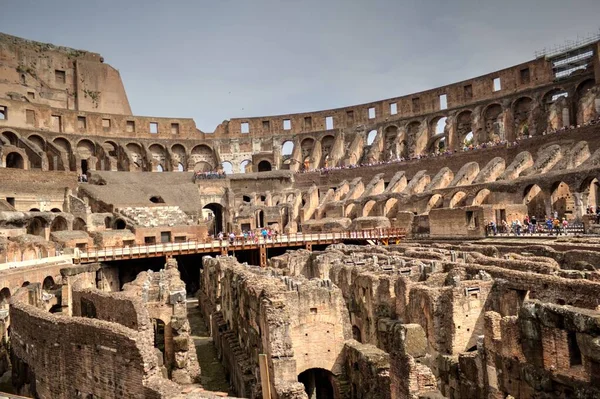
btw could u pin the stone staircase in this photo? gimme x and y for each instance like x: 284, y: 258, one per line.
x: 156, y: 216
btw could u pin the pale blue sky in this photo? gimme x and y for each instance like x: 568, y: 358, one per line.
x: 219, y: 59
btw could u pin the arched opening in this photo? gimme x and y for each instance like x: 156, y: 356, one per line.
x: 25, y: 284
x: 79, y: 224
x: 326, y: 148
x: 37, y: 226
x: 585, y: 105
x: 287, y: 148
x: 84, y: 166
x: 158, y: 154
x: 463, y: 126
x: 350, y: 211
x: 244, y: 166
x: 264, y: 166
x: 436, y: 201
x: 38, y: 141
x: 217, y: 225
x: 318, y: 383
x: 14, y: 160
x: 55, y: 210
x: 178, y: 152
x: 4, y: 298
x: 458, y: 200
x: 11, y: 137
x: 180, y: 167
x: 157, y: 199
x: 202, y: 167
x: 159, y: 338
x: 135, y: 152
x: 110, y: 148
x: 521, y: 112
x: 481, y: 197
x: 227, y: 168
x: 440, y: 125
x: 119, y: 224
x: 390, y: 208
x: 391, y: 150
x: 34, y: 210
x: 493, y: 125
x: 469, y: 140
x: 246, y: 199
x: 203, y: 153
x: 356, y: 334
x: 260, y: 219
x: 562, y: 200
x: 371, y: 137
x: 369, y: 208
x: 59, y: 224
x: 62, y: 144
x: 591, y: 187
x: 48, y: 283
x: 534, y: 198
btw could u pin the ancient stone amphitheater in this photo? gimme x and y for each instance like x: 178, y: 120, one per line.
x: 396, y: 260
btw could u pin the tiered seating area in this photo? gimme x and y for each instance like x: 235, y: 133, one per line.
x: 156, y: 216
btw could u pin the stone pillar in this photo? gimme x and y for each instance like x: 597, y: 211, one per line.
x: 580, y: 199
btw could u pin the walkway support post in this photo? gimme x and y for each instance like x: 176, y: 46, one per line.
x: 264, y: 376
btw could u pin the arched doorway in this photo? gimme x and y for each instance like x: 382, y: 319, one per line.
x: 534, y: 198
x: 14, y: 160
x: 4, y: 297
x: 264, y: 166
x: 260, y: 219
x: 458, y: 200
x: 36, y: 226
x: 562, y: 200
x: 79, y: 224
x: 318, y: 383
x: 217, y: 225
x: 59, y: 224
x: 48, y: 283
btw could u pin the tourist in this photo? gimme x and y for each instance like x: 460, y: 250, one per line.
x: 220, y: 237
x: 264, y: 234
x: 598, y: 215
x: 549, y: 225
x: 565, y: 224
x: 533, y: 224
x: 231, y: 238
x: 526, y: 224
x: 556, y: 225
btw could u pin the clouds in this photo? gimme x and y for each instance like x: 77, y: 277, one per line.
x: 213, y: 60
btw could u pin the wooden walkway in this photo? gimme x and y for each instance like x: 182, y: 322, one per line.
x: 383, y: 236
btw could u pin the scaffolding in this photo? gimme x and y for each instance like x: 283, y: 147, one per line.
x: 573, y: 56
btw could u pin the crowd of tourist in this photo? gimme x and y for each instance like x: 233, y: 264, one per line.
x: 551, y: 225
x: 249, y: 236
x: 469, y: 147
x: 208, y: 175
x: 82, y: 178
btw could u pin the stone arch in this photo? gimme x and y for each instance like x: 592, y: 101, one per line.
x: 227, y: 167
x: 136, y: 154
x: 390, y: 209
x: 391, y: 148
x: 351, y: 211
x: 59, y: 224
x: 11, y: 137
x: 86, y: 149
x: 264, y: 166
x: 585, y: 104
x: 4, y: 297
x: 369, y: 209
x: 55, y: 210
x: 203, y: 153
x: 218, y: 220
x: 535, y: 199
x: 562, y: 200
x: 110, y: 147
x: 245, y: 165
x: 493, y: 124
x: 287, y: 147
x: 202, y: 167
x: 14, y: 160
x: 63, y: 144
x: 37, y: 226
x: 464, y: 126
x: 521, y: 109
x: 179, y: 152
x: 435, y: 201
x: 79, y: 224
x: 119, y: 224
x: 318, y: 383
x: 326, y: 148
x: 48, y: 283
x: 371, y: 136
x: 458, y: 199
x: 159, y: 155
x: 590, y: 186
x: 482, y: 197
x: 38, y: 141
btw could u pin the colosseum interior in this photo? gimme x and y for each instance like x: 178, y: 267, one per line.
x: 376, y: 251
